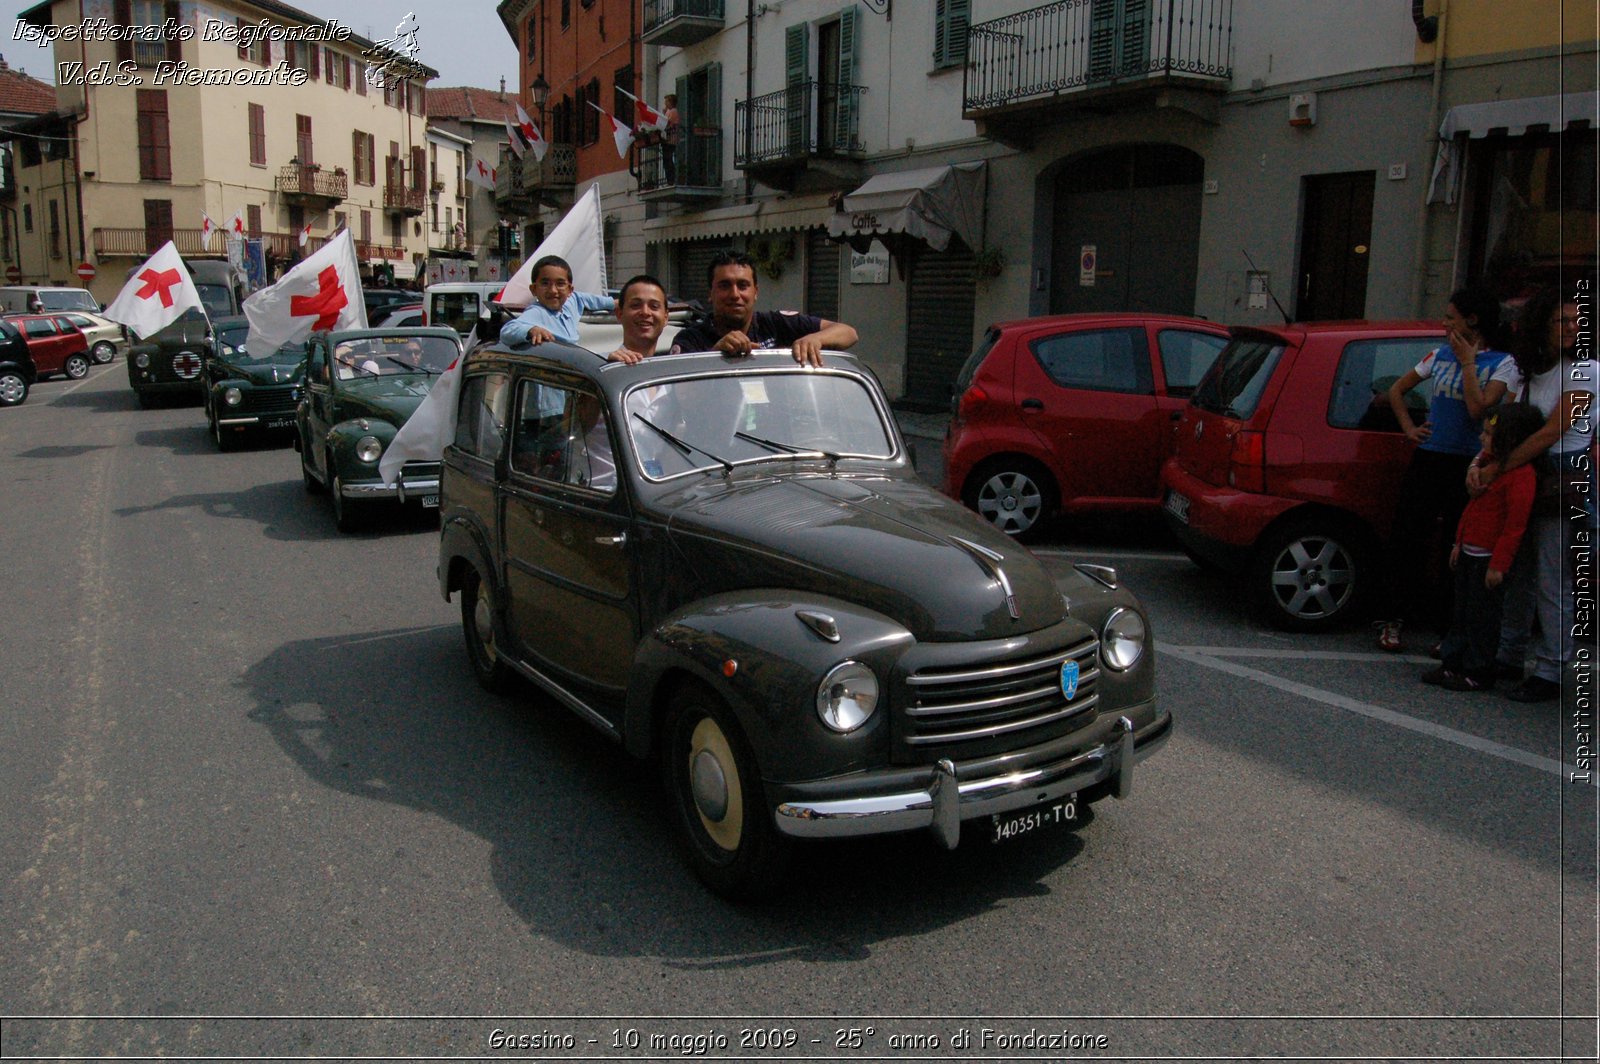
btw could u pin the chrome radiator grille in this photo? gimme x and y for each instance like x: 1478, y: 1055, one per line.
x: 963, y: 704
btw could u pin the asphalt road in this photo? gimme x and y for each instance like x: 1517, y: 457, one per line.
x: 255, y: 806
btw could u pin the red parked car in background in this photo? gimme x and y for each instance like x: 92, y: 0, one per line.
x: 57, y: 345
x: 1289, y: 462
x: 1071, y: 413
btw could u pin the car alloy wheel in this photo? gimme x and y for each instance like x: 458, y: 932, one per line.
x: 1307, y: 575
x: 717, y: 797
x: 13, y: 388
x: 477, y: 625
x: 76, y: 367
x: 103, y: 352
x: 1015, y: 496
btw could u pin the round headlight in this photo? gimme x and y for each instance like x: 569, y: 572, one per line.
x: 141, y: 360
x: 233, y: 397
x: 368, y: 448
x: 847, y: 696
x: 1122, y: 639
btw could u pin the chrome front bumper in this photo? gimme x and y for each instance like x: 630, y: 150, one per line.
x: 406, y: 487
x: 948, y: 800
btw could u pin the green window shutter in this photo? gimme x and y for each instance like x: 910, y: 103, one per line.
x: 1135, y: 43
x: 711, y: 106
x: 797, y: 98
x: 951, y: 21
x: 849, y: 118
x: 1102, y: 39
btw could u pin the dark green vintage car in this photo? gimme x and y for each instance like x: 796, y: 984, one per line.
x: 360, y: 387
x: 170, y: 364
x: 729, y: 566
x: 249, y: 391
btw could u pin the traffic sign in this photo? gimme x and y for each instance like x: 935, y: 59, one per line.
x: 13, y: 274
x: 86, y: 271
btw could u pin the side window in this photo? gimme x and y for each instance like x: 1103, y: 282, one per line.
x: 1367, y: 369
x: 561, y: 436
x: 1185, y: 357
x: 317, y: 361
x: 39, y: 327
x: 1104, y: 360
x: 481, y: 426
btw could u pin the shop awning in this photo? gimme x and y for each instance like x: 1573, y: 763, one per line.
x: 762, y: 216
x: 930, y: 205
x: 1510, y: 117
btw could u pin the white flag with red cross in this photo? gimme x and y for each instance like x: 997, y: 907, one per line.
x: 621, y: 134
x: 519, y: 147
x: 207, y: 227
x: 649, y: 117
x: 305, y: 234
x: 156, y: 293
x: 323, y: 291
x: 236, y: 227
x: 481, y: 173
x: 530, y: 133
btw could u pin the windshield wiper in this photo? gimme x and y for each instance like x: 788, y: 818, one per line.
x: 409, y: 368
x: 787, y: 448
x: 682, y: 447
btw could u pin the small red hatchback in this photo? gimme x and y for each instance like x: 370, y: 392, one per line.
x: 1071, y: 413
x: 1289, y: 462
x: 56, y: 344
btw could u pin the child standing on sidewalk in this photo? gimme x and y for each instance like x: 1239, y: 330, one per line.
x: 1486, y: 540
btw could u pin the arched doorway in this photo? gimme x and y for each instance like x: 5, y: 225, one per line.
x: 1126, y: 225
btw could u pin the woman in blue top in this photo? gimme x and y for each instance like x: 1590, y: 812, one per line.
x: 556, y: 308
x: 1468, y: 376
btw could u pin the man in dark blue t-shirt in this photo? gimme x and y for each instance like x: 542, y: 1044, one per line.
x: 738, y: 328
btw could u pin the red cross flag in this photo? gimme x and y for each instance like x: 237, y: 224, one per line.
x: 481, y: 173
x: 619, y: 132
x: 518, y: 145
x: 530, y: 133
x: 207, y: 227
x: 323, y: 291
x: 305, y: 234
x: 236, y: 227
x: 156, y: 293
x: 649, y: 117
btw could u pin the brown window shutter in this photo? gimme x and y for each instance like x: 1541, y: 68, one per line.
x: 244, y: 53
x: 315, y: 56
x: 123, y: 13
x: 174, y: 46
x: 266, y: 53
x: 344, y: 76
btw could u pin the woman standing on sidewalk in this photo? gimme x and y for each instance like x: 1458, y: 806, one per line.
x: 1468, y: 377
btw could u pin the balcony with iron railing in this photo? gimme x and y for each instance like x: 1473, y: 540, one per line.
x: 138, y: 243
x: 1095, y: 55
x: 402, y: 199
x: 680, y: 23
x: 688, y: 171
x: 522, y: 185
x: 312, y: 185
x: 807, y: 135
x: 368, y: 251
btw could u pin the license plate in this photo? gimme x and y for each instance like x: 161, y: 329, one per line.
x: 430, y: 502
x: 1178, y: 506
x: 279, y: 423
x: 1007, y: 826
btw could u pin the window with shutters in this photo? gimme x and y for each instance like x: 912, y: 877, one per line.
x: 302, y: 139
x: 55, y: 229
x: 364, y: 168
x: 418, y: 166
x: 566, y: 13
x: 150, y: 45
x: 621, y: 103
x: 951, y: 19
x: 258, y: 135
x: 157, y: 224
x: 27, y: 217
x: 366, y: 227
x: 252, y: 219
x: 1119, y: 38
x: 155, y: 139
x: 251, y: 48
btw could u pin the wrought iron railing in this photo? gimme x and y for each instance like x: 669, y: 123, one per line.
x: 402, y: 198
x: 141, y: 242
x: 657, y: 12
x: 366, y: 249
x: 804, y: 119
x: 299, y: 179
x: 1078, y: 44
x: 696, y: 162
x: 525, y: 177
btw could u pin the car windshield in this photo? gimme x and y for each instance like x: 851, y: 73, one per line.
x: 67, y: 299
x: 711, y: 422
x: 391, y: 356
x: 217, y: 299
x: 231, y: 341
x: 1240, y: 375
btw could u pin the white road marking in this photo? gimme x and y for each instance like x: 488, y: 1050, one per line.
x: 1198, y: 656
x: 91, y: 375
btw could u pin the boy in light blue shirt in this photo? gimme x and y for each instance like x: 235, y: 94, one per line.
x: 556, y: 308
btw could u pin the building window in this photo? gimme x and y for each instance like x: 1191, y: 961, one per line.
x: 55, y: 229
x: 340, y: 219
x: 365, y: 168
x: 418, y: 165
x: 149, y: 48
x: 27, y: 217
x: 258, y: 135
x: 157, y: 223
x: 621, y: 103
x: 302, y: 139
x: 366, y: 227
x: 566, y: 13
x: 155, y: 144
x: 433, y: 216
x: 258, y: 50
x: 529, y: 47
x: 950, y: 21
x: 252, y: 219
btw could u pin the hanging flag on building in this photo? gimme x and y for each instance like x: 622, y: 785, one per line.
x: 156, y: 293
x: 236, y: 227
x: 481, y: 173
x: 207, y: 227
x: 649, y: 117
x: 518, y: 145
x: 305, y: 234
x: 621, y: 134
x: 323, y: 291
x: 530, y: 133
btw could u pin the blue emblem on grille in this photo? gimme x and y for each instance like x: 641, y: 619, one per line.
x: 1069, y: 679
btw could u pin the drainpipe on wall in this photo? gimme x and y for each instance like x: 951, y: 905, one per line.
x: 1419, y: 264
x: 749, y: 87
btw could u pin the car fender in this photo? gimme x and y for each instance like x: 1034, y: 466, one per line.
x: 461, y: 539
x: 340, y: 441
x: 1092, y: 601
x: 751, y: 648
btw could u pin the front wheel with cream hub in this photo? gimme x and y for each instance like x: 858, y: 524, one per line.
x: 717, y: 797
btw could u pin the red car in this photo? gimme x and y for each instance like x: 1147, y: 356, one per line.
x: 1289, y: 462
x: 1071, y: 413
x: 57, y: 345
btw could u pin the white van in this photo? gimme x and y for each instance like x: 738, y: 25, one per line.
x: 32, y: 298
x: 457, y: 304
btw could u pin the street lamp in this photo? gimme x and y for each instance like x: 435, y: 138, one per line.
x: 541, y: 92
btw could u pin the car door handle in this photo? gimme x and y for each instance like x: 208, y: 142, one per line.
x: 612, y: 541
x: 1032, y: 404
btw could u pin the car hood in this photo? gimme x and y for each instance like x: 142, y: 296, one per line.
x: 266, y: 372
x: 891, y: 544
x: 391, y: 399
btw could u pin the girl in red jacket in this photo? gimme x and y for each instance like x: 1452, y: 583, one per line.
x: 1486, y: 540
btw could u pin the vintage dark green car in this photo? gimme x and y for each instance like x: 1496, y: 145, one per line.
x: 360, y: 387
x: 249, y: 391
x: 728, y: 565
x: 171, y: 363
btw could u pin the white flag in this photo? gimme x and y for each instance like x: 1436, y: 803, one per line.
x: 578, y: 239
x: 236, y: 227
x: 619, y: 132
x: 530, y: 133
x: 207, y: 227
x: 481, y: 173
x: 518, y: 146
x: 305, y: 234
x: 323, y: 291
x: 649, y: 117
x: 156, y: 293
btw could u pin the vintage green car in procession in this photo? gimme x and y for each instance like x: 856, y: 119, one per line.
x: 171, y: 363
x: 249, y: 391
x: 360, y: 387
x: 729, y: 566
